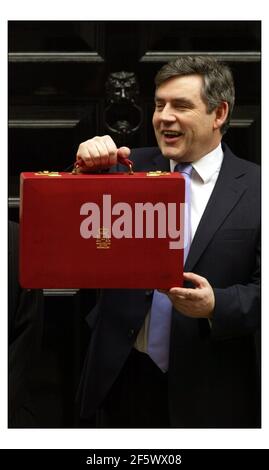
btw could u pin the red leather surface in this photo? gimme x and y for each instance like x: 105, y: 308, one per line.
x: 54, y: 254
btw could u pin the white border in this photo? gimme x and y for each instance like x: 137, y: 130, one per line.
x: 99, y: 439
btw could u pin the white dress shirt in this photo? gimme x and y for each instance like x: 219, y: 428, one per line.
x: 203, y: 179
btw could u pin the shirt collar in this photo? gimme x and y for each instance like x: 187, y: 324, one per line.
x: 207, y: 165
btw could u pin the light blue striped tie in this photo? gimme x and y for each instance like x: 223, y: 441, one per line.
x: 161, y: 308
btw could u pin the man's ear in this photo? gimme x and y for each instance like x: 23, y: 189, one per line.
x: 221, y: 113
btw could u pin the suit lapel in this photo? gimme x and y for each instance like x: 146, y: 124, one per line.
x: 227, y: 192
x: 161, y: 163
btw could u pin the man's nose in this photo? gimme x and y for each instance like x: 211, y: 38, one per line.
x: 167, y: 113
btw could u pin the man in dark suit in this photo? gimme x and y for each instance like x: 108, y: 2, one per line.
x: 212, y: 378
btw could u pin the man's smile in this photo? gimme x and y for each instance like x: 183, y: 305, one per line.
x: 171, y: 136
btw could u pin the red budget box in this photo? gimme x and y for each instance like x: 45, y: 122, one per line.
x: 101, y: 231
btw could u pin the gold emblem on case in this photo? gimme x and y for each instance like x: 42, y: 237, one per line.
x: 102, y: 241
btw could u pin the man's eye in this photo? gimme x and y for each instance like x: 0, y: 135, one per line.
x: 181, y: 106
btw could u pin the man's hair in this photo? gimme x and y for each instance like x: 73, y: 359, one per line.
x: 218, y: 84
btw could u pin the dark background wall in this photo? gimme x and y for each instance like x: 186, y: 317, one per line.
x: 57, y: 76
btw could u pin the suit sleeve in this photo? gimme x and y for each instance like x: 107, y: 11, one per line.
x: 237, y: 308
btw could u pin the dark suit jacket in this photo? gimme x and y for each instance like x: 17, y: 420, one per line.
x: 25, y: 328
x: 213, y: 375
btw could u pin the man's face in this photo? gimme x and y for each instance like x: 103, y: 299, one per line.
x: 183, y: 128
